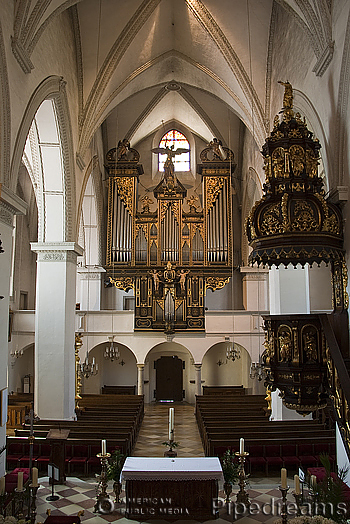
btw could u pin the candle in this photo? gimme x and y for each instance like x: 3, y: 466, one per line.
x: 171, y: 423
x: 2, y: 485
x: 20, y: 480
x: 313, y: 481
x: 241, y: 446
x: 104, y: 449
x: 297, y: 484
x: 34, y: 477
x: 283, y: 478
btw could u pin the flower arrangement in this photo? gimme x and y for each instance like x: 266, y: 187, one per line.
x: 229, y: 466
x: 115, y: 466
x: 317, y: 519
x: 12, y: 520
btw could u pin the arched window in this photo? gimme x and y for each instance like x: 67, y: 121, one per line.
x: 176, y: 139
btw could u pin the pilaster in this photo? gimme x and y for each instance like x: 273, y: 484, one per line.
x: 255, y: 288
x: 90, y: 287
x: 10, y: 205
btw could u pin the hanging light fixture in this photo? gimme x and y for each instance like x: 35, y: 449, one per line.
x: 111, y: 351
x: 16, y: 353
x: 257, y: 370
x: 233, y: 351
x: 89, y: 368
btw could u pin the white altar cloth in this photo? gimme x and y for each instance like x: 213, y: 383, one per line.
x: 150, y: 468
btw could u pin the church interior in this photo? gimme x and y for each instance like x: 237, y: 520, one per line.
x: 174, y: 233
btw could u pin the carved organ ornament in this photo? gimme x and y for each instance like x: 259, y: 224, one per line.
x: 170, y: 257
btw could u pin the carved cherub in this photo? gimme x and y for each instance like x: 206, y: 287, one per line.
x: 146, y: 201
x: 182, y: 280
x: 156, y: 279
x: 192, y: 202
x: 123, y: 148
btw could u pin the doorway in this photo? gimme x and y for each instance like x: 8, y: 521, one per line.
x: 169, y: 381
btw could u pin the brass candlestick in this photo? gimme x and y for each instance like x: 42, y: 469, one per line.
x: 284, y: 514
x: 298, y: 500
x: 19, y: 502
x: 242, y: 495
x: 32, y: 503
x: 103, y: 503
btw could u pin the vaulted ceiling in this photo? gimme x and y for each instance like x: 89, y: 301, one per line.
x: 141, y: 62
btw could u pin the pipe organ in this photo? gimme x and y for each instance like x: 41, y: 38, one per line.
x: 170, y: 254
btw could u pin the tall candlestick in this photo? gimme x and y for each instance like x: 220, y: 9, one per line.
x: 34, y: 477
x: 104, y: 448
x: 20, y: 480
x: 283, y: 478
x: 171, y: 423
x: 297, y: 484
x: 241, y: 446
x: 2, y: 485
x: 313, y: 482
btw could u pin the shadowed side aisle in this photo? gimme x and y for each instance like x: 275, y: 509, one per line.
x: 154, y: 431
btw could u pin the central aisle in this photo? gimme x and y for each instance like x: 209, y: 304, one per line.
x: 154, y: 431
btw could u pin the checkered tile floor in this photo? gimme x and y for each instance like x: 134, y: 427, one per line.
x: 80, y: 494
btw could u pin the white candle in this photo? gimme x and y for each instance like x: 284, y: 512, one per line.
x: 2, y: 485
x: 20, y: 480
x: 34, y: 477
x: 297, y: 484
x: 104, y: 449
x: 241, y: 446
x: 313, y: 481
x: 171, y: 423
x: 283, y: 478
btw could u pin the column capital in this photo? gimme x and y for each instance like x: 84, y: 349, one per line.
x: 10, y: 205
x: 198, y: 365
x: 254, y: 273
x: 91, y: 273
x: 57, y: 251
x: 140, y: 366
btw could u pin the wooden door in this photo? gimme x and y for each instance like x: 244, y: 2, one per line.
x: 169, y: 378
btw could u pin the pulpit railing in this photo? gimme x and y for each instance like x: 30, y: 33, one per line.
x: 338, y: 381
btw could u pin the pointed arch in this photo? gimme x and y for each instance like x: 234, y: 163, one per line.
x: 52, y: 88
x: 5, y: 117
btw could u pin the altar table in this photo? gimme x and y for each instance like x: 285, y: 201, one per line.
x: 171, y: 488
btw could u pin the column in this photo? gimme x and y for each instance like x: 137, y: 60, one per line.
x: 255, y: 288
x: 54, y: 391
x: 90, y: 288
x: 289, y: 290
x: 289, y: 294
x: 198, y: 368
x: 140, y: 370
x: 10, y: 204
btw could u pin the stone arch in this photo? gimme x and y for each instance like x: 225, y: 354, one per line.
x: 121, y: 372
x: 52, y: 88
x: 218, y: 371
x: 169, y: 349
x: 21, y: 367
x: 91, y: 195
